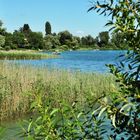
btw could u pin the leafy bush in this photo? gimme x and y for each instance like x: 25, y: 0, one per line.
x: 124, y: 108
x: 64, y: 122
x: 7, y: 48
x: 64, y: 47
x: 2, y: 40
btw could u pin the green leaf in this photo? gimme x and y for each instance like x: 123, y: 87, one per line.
x: 109, y: 23
x: 126, y: 107
x: 54, y: 111
x: 122, y: 64
x: 33, y: 105
x: 78, y: 116
x: 129, y: 66
x: 96, y: 111
x: 98, y: 10
x: 114, y: 120
x: 102, y: 12
x: 2, y: 131
x: 90, y: 9
x: 29, y: 126
x: 102, y: 111
x: 112, y: 28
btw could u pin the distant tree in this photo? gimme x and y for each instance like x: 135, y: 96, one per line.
x: 74, y: 44
x: 9, y: 40
x: 88, y: 40
x: 118, y: 40
x: 2, y: 30
x: 51, y: 42
x: 103, y: 38
x: 18, y: 39
x: 1, y: 23
x: 65, y: 37
x: 26, y: 28
x: 78, y: 39
x: 54, y: 34
x: 48, y: 28
x: 83, y: 41
x: 2, y: 37
x: 2, y: 40
x: 35, y: 40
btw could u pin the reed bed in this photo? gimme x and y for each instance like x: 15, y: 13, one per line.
x: 19, y: 83
x: 25, y: 55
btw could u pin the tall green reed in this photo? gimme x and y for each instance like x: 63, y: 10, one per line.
x: 17, y: 82
x: 24, y: 55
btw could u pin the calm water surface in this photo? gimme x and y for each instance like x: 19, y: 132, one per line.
x: 87, y: 61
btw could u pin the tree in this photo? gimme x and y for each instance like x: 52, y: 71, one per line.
x: 9, y: 41
x: 65, y: 37
x: 78, y: 39
x: 18, y: 39
x: 2, y: 30
x: 26, y: 28
x: 88, y: 40
x: 35, y: 40
x: 2, y: 41
x: 48, y: 28
x: 103, y: 38
x: 51, y: 42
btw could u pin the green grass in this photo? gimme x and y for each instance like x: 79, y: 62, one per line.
x: 2, y: 131
x: 24, y: 55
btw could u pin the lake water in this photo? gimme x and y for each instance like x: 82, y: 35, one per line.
x: 87, y: 61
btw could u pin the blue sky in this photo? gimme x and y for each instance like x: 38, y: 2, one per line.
x: 62, y: 14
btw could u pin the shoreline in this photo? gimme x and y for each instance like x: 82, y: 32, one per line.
x: 25, y: 54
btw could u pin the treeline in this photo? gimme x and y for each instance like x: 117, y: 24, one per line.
x: 25, y: 38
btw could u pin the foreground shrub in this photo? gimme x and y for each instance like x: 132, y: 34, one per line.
x: 124, y: 107
x: 64, y: 122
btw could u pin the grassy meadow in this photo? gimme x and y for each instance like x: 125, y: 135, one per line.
x: 19, y: 84
x: 24, y: 54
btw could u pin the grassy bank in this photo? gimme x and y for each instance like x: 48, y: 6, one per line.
x: 24, y: 55
x: 18, y: 84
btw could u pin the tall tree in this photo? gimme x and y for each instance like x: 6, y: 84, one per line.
x: 35, y: 40
x: 48, y: 28
x: 65, y: 36
x: 2, y: 35
x: 2, y: 41
x: 88, y: 40
x: 103, y: 38
x: 26, y: 28
x: 2, y: 30
x: 51, y: 42
x: 18, y: 39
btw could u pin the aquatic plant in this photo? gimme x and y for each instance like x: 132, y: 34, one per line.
x: 17, y: 82
x: 24, y: 55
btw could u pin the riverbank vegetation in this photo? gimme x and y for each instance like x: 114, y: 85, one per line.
x: 25, y: 38
x: 19, y: 84
x: 24, y: 54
